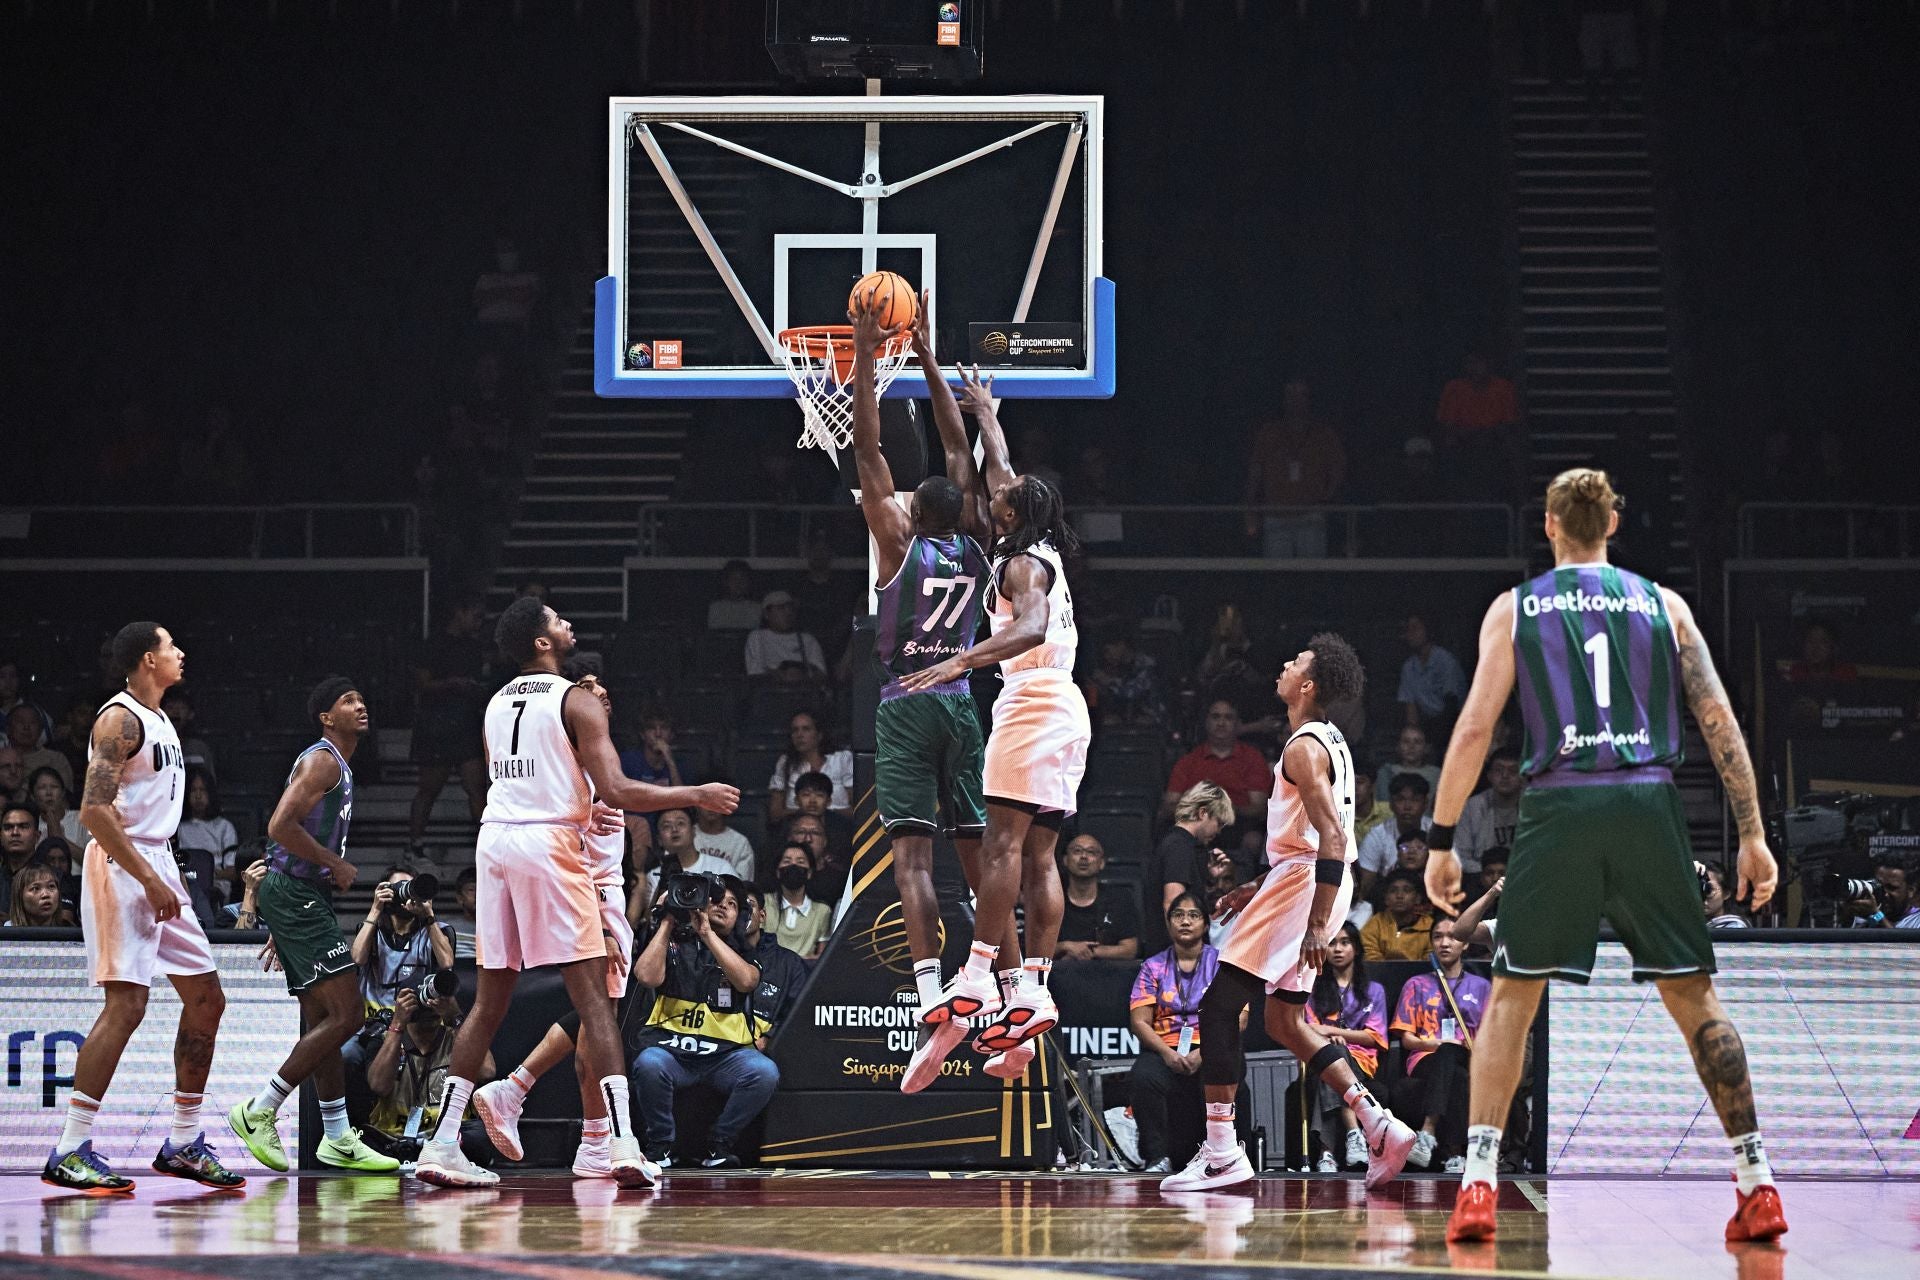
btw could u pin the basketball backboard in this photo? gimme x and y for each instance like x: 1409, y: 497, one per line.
x: 732, y: 218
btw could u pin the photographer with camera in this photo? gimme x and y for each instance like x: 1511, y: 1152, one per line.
x: 1887, y: 900
x: 398, y: 943
x: 703, y: 1025
x: 407, y: 1076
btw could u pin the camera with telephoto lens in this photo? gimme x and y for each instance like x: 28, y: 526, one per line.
x: 436, y: 984
x: 421, y: 888
x: 687, y: 892
x: 1851, y: 889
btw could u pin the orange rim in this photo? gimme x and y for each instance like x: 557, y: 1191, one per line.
x: 817, y: 341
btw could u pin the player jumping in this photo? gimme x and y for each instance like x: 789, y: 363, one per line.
x: 1285, y: 920
x: 1601, y: 657
x: 537, y: 901
x: 132, y: 912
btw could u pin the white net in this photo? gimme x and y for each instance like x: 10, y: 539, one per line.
x: 820, y: 362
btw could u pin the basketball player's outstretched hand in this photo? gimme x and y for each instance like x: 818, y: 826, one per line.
x: 1443, y: 881
x: 945, y: 673
x: 868, y: 333
x: 922, y: 327
x: 717, y: 797
x: 976, y: 393
x: 164, y: 901
x: 1759, y: 873
x: 1234, y: 901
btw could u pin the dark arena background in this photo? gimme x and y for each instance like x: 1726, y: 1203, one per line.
x: 335, y: 327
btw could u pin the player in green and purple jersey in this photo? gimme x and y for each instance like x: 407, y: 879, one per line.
x: 1601, y: 658
x: 929, y: 746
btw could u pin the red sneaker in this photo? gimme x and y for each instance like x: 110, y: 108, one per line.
x: 1759, y: 1217
x: 1472, y: 1213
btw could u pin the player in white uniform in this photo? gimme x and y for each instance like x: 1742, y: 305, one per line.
x: 1285, y: 920
x: 548, y: 755
x: 133, y: 911
x: 1036, y: 754
x: 500, y: 1102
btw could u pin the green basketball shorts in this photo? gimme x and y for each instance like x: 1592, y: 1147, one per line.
x: 306, y: 937
x: 1583, y: 852
x: 927, y: 757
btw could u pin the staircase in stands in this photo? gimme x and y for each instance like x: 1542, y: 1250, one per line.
x: 1594, y: 325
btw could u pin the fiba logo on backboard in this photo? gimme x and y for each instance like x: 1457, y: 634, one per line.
x: 661, y: 353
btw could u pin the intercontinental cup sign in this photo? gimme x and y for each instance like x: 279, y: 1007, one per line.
x: 1032, y: 344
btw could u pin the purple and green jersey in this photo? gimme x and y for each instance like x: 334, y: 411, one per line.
x: 326, y: 822
x: 1597, y: 669
x: 931, y: 609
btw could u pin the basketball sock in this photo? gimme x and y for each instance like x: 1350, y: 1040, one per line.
x: 926, y: 979
x: 593, y: 1131
x: 522, y: 1079
x: 81, y: 1110
x: 186, y: 1117
x: 1366, y: 1108
x: 1750, y: 1166
x: 453, y: 1106
x: 980, y: 958
x: 273, y: 1096
x: 1040, y: 971
x: 333, y: 1117
x: 614, y: 1090
x: 1483, y: 1155
x: 1220, y: 1136
x: 1010, y: 981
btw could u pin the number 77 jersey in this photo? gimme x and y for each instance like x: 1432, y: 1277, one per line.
x: 1596, y: 667
x: 931, y: 609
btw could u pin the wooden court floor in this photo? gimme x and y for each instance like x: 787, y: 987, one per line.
x: 801, y: 1225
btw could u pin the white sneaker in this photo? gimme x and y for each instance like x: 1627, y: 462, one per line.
x: 1162, y: 1165
x: 1211, y: 1169
x: 930, y: 1055
x: 1421, y: 1154
x: 964, y: 996
x: 1030, y: 1013
x: 1456, y: 1164
x: 1356, y: 1149
x: 1326, y: 1163
x: 1012, y: 1064
x: 630, y: 1166
x: 1388, y: 1149
x: 592, y: 1160
x: 499, y: 1105
x: 444, y: 1164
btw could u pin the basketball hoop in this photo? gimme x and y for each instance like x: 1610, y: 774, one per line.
x: 819, y: 359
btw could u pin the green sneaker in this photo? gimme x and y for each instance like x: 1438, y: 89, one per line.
x: 259, y: 1132
x: 351, y: 1152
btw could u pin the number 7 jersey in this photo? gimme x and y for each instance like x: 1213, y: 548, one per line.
x: 535, y: 776
x: 931, y: 609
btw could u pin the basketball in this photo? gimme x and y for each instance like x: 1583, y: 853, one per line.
x: 896, y: 302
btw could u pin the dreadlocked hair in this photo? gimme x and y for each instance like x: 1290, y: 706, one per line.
x: 1040, y: 515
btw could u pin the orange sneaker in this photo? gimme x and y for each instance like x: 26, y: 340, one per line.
x: 1472, y: 1213
x: 1759, y: 1217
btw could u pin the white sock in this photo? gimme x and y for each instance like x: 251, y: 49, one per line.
x: 333, y: 1117
x: 453, y: 1107
x: 926, y: 980
x: 1220, y: 1135
x: 980, y: 958
x: 614, y: 1090
x: 81, y: 1110
x: 1010, y: 981
x: 1366, y: 1108
x: 186, y: 1117
x: 273, y: 1096
x: 1039, y: 971
x: 522, y: 1079
x: 593, y: 1131
x: 1483, y: 1155
x: 1750, y: 1166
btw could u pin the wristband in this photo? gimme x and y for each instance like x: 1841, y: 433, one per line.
x: 1329, y: 871
x: 1439, y: 838
x: 1878, y: 917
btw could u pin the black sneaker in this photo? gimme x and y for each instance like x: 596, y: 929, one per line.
x: 196, y: 1163
x: 82, y: 1169
x: 662, y: 1156
x: 720, y: 1158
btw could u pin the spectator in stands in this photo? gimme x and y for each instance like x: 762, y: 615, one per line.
x: 808, y: 751
x: 27, y: 733
x: 1226, y: 670
x: 777, y: 651
x: 463, y: 919
x: 13, y: 774
x: 1413, y: 477
x: 1349, y: 1009
x: 1222, y: 758
x: 1125, y: 688
x: 446, y: 722
x: 812, y: 793
x: 653, y: 760
x: 1403, y: 928
x: 1479, y: 417
x: 1222, y: 877
x: 1437, y: 1018
x: 1410, y: 757
x: 407, y: 1078
x: 74, y: 737
x: 800, y: 924
x: 63, y: 858
x: 702, y: 1028
x: 48, y: 794
x: 678, y: 852
x: 1818, y: 662
x: 736, y: 609
x: 504, y: 297
x: 10, y: 686
x: 714, y: 838
x: 1296, y: 461
x: 1180, y: 859
x: 1722, y: 911
x: 1101, y: 920
x: 1432, y: 685
x: 1369, y: 810
x: 1164, y: 1012
x: 782, y: 973
x: 1893, y: 906
x: 202, y: 827
x: 1411, y: 854
x: 1493, y: 867
x: 19, y: 835
x: 831, y: 862
x: 643, y: 859
x: 35, y: 899
x: 1380, y: 849
x: 178, y: 704
x: 1491, y: 816
x: 825, y: 604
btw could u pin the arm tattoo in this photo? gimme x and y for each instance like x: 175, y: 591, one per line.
x: 1721, y: 1060
x: 1708, y: 698
x: 111, y: 751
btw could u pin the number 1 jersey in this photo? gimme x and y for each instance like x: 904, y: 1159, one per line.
x: 535, y: 776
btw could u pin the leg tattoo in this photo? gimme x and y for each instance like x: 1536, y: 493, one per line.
x: 1721, y: 1060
